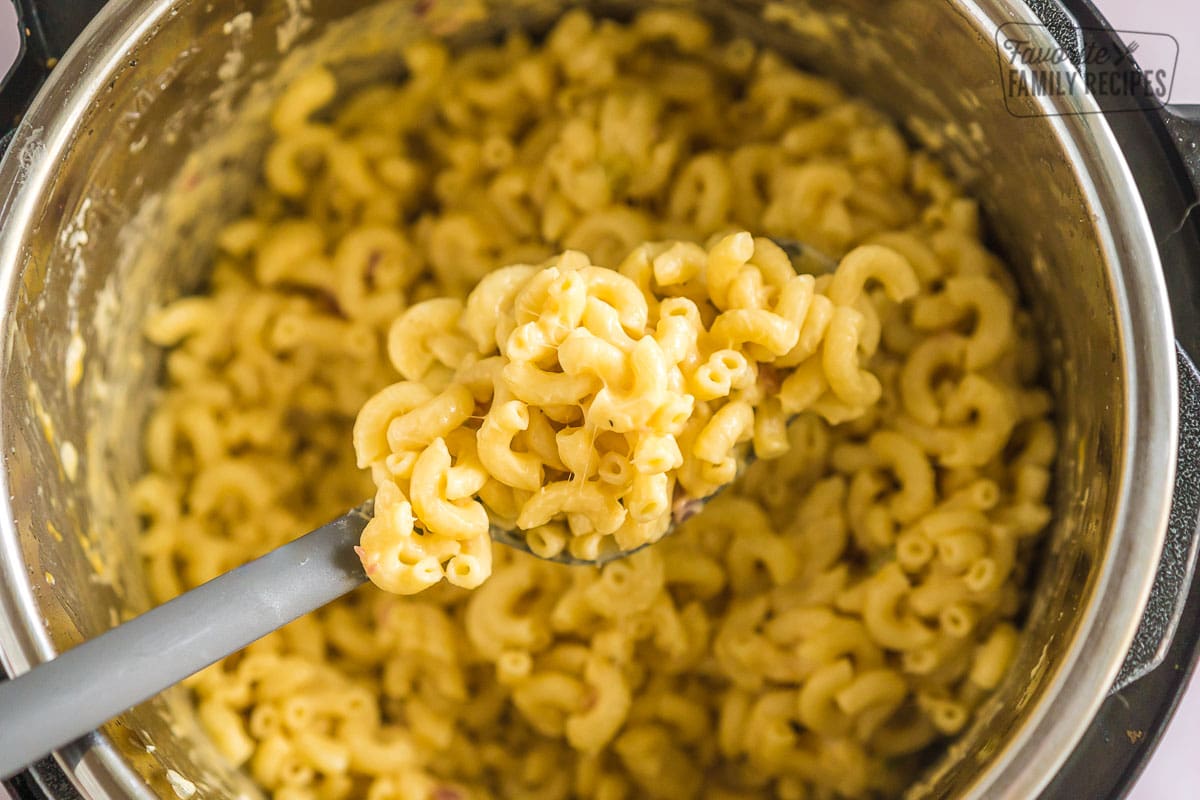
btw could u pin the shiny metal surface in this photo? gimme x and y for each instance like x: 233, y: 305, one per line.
x: 132, y: 156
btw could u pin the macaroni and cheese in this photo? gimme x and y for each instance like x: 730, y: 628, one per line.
x: 819, y: 630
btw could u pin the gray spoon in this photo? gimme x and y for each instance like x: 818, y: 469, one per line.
x: 66, y: 698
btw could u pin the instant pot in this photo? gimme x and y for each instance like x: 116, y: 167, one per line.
x: 135, y: 137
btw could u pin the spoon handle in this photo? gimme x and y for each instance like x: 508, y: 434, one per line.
x: 64, y: 699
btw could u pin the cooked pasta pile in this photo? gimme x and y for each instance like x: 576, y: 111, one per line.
x: 586, y: 408
x: 813, y: 633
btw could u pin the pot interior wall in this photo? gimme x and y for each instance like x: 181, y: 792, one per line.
x: 167, y: 153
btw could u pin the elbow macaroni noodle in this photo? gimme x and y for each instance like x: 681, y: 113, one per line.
x: 839, y: 612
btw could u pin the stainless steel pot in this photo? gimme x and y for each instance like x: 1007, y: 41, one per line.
x: 143, y: 140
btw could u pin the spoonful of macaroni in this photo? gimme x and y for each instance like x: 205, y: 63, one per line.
x: 579, y: 412
x: 569, y: 410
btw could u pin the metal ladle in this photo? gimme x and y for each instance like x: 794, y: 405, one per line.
x: 66, y: 698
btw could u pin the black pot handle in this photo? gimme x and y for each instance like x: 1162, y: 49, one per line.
x: 1177, y: 565
x: 47, y: 29
x: 1062, y: 25
x: 1183, y: 125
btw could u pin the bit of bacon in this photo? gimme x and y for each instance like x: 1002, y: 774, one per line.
x: 383, y: 613
x: 324, y: 299
x: 370, y: 565
x: 373, y: 261
x: 446, y: 793
x: 768, y: 379
x: 684, y: 507
x: 329, y: 302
